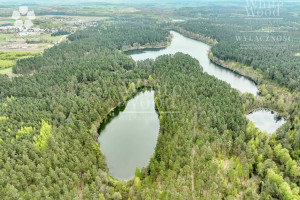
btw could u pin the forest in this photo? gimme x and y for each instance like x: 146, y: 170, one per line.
x: 267, y: 47
x: 50, y: 114
x: 273, y: 64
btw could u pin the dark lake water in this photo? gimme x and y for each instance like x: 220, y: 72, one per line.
x: 198, y: 50
x: 266, y: 120
x: 128, y: 136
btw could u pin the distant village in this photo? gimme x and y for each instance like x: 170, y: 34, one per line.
x: 72, y: 25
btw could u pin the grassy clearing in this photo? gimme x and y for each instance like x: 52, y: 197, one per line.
x: 8, y: 59
x: 8, y: 20
x: 43, y: 38
x: 5, y: 37
x: 6, y: 71
x: 16, y: 55
x: 50, y: 38
x: 82, y: 18
x: 48, y: 24
x: 6, y: 63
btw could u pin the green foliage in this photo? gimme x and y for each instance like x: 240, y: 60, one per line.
x: 10, y: 99
x: 274, y: 62
x: 275, y: 71
x: 25, y: 130
x: 6, y: 63
x: 137, y: 173
x: 60, y: 32
x: 282, y: 154
x: 286, y: 192
x: 131, y: 87
x: 202, y: 125
x: 3, y: 118
x: 48, y: 24
x: 101, y: 196
x: 73, y: 87
x: 137, y: 183
x: 151, y: 80
x: 8, y: 59
x: 178, y: 156
x: 45, y: 133
x: 16, y: 55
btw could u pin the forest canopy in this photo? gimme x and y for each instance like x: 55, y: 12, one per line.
x: 50, y: 113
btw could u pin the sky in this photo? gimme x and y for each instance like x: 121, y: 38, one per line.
x: 130, y: 2
x: 65, y: 2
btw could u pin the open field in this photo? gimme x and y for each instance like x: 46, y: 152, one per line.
x: 5, y: 37
x: 6, y: 63
x: 32, y: 43
x: 8, y: 72
x: 9, y: 59
x: 38, y: 41
x: 73, y: 18
x: 87, y: 10
x: 22, y: 46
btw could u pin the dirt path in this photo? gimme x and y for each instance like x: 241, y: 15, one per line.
x: 63, y: 38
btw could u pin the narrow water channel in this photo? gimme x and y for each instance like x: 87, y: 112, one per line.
x: 128, y: 136
x: 198, y: 50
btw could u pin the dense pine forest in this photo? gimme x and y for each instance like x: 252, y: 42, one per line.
x: 275, y: 61
x: 206, y: 148
x: 273, y: 64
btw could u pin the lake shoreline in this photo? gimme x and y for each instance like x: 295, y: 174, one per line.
x: 235, y: 68
x: 222, y: 63
x: 245, y: 71
x: 194, y: 36
x: 123, y: 103
x: 113, y: 125
x: 266, y: 120
x: 159, y: 45
x: 200, y: 51
x: 226, y: 65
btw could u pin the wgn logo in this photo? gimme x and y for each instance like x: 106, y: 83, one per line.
x: 263, y: 9
x: 29, y: 15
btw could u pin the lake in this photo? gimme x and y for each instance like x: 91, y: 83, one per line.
x: 128, y: 136
x: 266, y: 120
x: 198, y: 50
